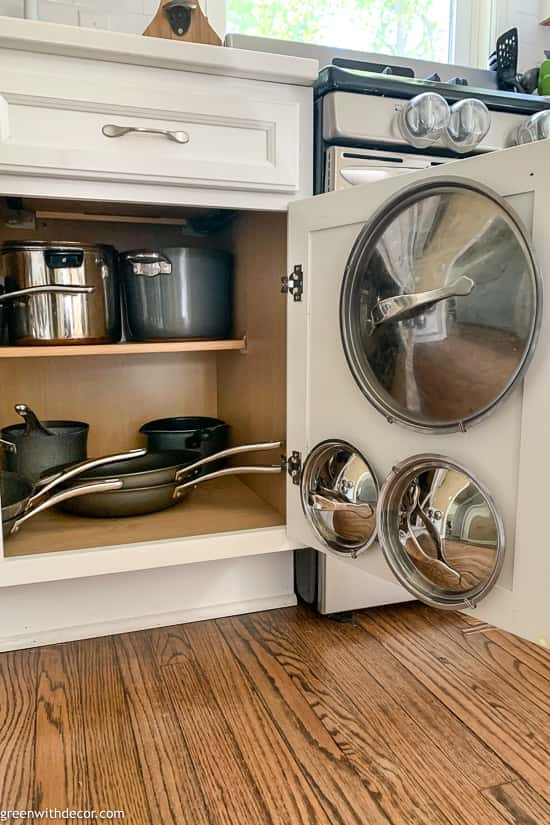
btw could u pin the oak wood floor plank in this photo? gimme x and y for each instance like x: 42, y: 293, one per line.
x: 434, y: 629
x: 383, y: 742
x: 284, y: 788
x: 18, y: 689
x: 232, y: 795
x: 114, y: 772
x: 519, y: 804
x: 463, y: 748
x: 534, y: 656
x: 343, y: 794
x: 520, y: 751
x: 60, y: 766
x: 533, y: 688
x: 170, y: 782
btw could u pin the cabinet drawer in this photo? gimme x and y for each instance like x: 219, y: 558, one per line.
x: 239, y: 134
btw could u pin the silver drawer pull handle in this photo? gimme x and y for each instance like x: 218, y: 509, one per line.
x: 403, y: 306
x: 111, y: 130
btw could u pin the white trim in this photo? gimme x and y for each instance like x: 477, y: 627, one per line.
x: 474, y: 31
x: 93, y: 630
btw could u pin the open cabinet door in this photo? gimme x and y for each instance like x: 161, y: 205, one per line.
x: 417, y: 338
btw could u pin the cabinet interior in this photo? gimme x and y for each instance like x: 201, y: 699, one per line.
x: 117, y: 393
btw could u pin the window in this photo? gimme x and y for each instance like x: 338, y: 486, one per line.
x: 459, y: 31
x: 413, y: 28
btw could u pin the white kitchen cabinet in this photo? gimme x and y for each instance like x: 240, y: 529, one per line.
x: 291, y: 382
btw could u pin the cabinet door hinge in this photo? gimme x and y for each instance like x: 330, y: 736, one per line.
x: 293, y: 466
x: 294, y: 283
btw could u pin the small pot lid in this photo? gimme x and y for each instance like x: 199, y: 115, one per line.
x: 440, y: 305
x: 339, y: 495
x: 440, y: 532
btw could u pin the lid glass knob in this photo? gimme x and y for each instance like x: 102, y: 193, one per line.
x: 424, y: 119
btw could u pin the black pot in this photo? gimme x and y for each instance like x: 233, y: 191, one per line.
x: 39, y: 446
x: 207, y: 435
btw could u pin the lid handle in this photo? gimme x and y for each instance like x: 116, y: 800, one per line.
x: 400, y: 307
x: 149, y: 263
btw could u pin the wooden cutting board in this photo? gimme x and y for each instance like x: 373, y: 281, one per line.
x: 199, y: 30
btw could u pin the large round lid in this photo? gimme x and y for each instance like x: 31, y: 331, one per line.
x: 339, y: 495
x: 440, y: 532
x: 440, y: 305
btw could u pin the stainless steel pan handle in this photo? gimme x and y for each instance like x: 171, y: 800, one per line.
x: 247, y: 448
x: 229, y: 471
x: 111, y: 130
x: 326, y: 504
x: 46, y: 484
x: 44, y: 290
x: 64, y: 495
x: 404, y: 306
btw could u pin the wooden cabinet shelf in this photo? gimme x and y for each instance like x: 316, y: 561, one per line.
x: 221, y: 506
x: 123, y: 349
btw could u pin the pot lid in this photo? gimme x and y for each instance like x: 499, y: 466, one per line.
x: 21, y: 246
x: 339, y: 494
x: 440, y: 305
x: 440, y: 532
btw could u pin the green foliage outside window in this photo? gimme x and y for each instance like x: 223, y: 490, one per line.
x: 415, y: 28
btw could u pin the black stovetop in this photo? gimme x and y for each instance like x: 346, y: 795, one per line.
x: 402, y: 85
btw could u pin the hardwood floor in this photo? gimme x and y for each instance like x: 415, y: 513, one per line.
x: 406, y: 716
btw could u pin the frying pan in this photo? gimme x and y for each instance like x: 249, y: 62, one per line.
x: 141, y: 500
x: 144, y: 469
x: 11, y: 526
x: 18, y: 495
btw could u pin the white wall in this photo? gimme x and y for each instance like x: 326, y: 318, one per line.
x: 534, y: 38
x: 130, y: 16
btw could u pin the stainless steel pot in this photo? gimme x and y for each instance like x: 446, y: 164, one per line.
x: 177, y: 293
x: 60, y: 293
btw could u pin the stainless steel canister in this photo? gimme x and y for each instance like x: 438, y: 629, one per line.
x: 177, y: 293
x: 60, y: 293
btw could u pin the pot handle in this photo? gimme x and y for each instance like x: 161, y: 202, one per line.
x: 47, y: 289
x: 64, y: 495
x: 247, y: 448
x: 229, y: 471
x: 45, y: 485
x: 32, y: 424
x: 62, y: 259
x: 401, y: 307
x: 8, y: 446
x: 149, y: 264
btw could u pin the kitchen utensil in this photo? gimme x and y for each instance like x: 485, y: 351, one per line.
x: 19, y: 495
x: 60, y: 293
x: 178, y: 293
x: 133, y: 500
x: 38, y: 447
x: 440, y: 305
x: 455, y: 561
x: 207, y: 435
x: 146, y: 469
x: 505, y: 61
x: 11, y: 526
x: 182, y: 20
x: 141, y: 501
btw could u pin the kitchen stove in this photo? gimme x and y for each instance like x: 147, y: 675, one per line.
x: 374, y: 120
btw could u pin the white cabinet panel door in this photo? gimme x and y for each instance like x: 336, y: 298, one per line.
x: 507, y: 451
